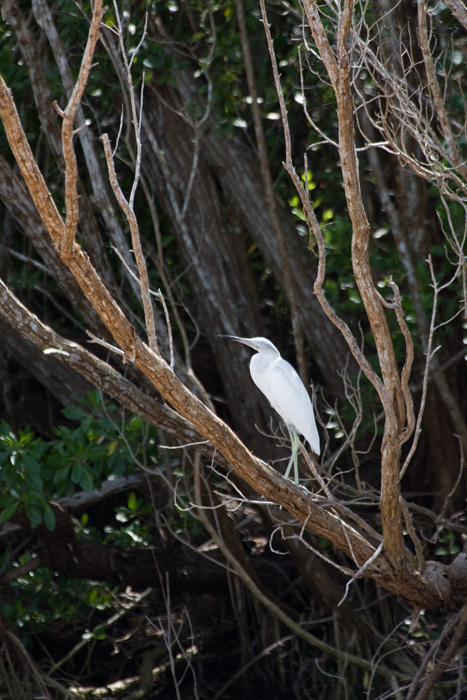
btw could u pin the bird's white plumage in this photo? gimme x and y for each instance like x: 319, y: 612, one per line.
x: 284, y: 389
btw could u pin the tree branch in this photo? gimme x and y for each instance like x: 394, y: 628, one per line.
x: 69, y: 115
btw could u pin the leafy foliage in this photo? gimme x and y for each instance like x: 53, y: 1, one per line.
x: 34, y: 471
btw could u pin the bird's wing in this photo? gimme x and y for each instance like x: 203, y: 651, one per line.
x: 290, y: 399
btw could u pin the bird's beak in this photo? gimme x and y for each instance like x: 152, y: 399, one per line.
x: 245, y: 341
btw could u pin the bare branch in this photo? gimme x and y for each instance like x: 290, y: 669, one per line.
x: 447, y: 656
x: 136, y: 242
x: 407, y: 369
x: 434, y: 87
x: 69, y: 115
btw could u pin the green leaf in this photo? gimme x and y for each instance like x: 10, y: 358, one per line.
x: 35, y: 498
x: 86, y: 481
x: 56, y: 460
x: 74, y: 413
x: 132, y: 501
x: 77, y: 471
x: 49, y: 517
x: 100, y: 631
x: 7, y: 512
x: 33, y: 513
x: 31, y: 464
x: 6, y: 498
x: 61, y: 474
x: 34, y: 481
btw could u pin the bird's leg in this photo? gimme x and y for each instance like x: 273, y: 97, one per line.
x: 295, y: 448
x: 295, y: 440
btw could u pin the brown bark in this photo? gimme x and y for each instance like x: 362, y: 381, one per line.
x: 389, y: 386
x: 394, y: 408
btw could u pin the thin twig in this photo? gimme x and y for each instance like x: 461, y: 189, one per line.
x: 68, y: 115
x: 128, y: 205
x: 104, y: 343
x: 361, y: 571
x: 160, y: 296
x: 407, y: 369
x: 136, y: 243
x: 413, y: 536
x: 446, y: 658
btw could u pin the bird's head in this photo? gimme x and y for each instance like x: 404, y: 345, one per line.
x: 262, y: 345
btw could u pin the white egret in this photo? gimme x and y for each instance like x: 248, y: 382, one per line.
x: 286, y: 393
